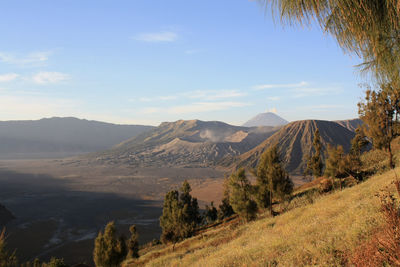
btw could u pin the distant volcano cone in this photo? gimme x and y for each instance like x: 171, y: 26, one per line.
x: 266, y: 119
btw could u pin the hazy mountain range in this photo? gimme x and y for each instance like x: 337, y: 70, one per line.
x: 59, y: 137
x: 192, y: 143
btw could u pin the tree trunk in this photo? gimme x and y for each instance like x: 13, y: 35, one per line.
x: 391, y: 164
x: 270, y: 204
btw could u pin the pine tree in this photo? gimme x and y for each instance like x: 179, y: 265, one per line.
x: 109, y: 251
x: 314, y: 162
x: 336, y: 163
x: 225, y: 208
x: 380, y: 112
x: 353, y: 163
x: 272, y: 179
x: 171, y: 217
x: 240, y: 195
x: 359, y: 142
x: 133, y: 244
x: 211, y: 213
x: 7, y: 259
x: 180, y: 215
x: 190, y: 207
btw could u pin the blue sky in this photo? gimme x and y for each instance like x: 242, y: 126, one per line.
x: 144, y: 62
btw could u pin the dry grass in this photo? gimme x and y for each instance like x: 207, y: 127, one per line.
x: 383, y: 249
x: 322, y: 233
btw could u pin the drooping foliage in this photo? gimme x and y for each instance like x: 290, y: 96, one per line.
x: 369, y: 28
x: 272, y: 179
x: 109, y: 250
x: 240, y: 195
x: 314, y: 162
x: 180, y: 215
x: 380, y: 113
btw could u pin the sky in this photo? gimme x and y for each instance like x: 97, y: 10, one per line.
x: 145, y: 62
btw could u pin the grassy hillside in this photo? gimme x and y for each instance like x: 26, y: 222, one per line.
x: 322, y: 233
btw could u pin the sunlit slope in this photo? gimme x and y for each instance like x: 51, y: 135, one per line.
x: 186, y: 143
x: 321, y: 234
x: 295, y: 143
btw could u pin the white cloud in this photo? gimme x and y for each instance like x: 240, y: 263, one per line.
x: 167, y: 97
x: 200, y: 107
x: 150, y: 110
x: 214, y: 94
x: 205, y: 107
x: 191, y: 51
x: 145, y: 99
x: 273, y: 98
x: 8, y: 77
x: 156, y: 37
x: 314, y: 91
x: 30, y: 60
x: 273, y: 86
x: 158, y: 98
x: 322, y: 107
x: 49, y: 77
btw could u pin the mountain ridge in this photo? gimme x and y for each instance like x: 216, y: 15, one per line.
x: 186, y: 143
x: 295, y: 143
x: 57, y: 136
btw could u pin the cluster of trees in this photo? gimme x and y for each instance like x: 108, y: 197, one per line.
x: 181, y: 216
x: 341, y: 165
x: 379, y: 113
x: 337, y: 163
x: 111, y: 250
